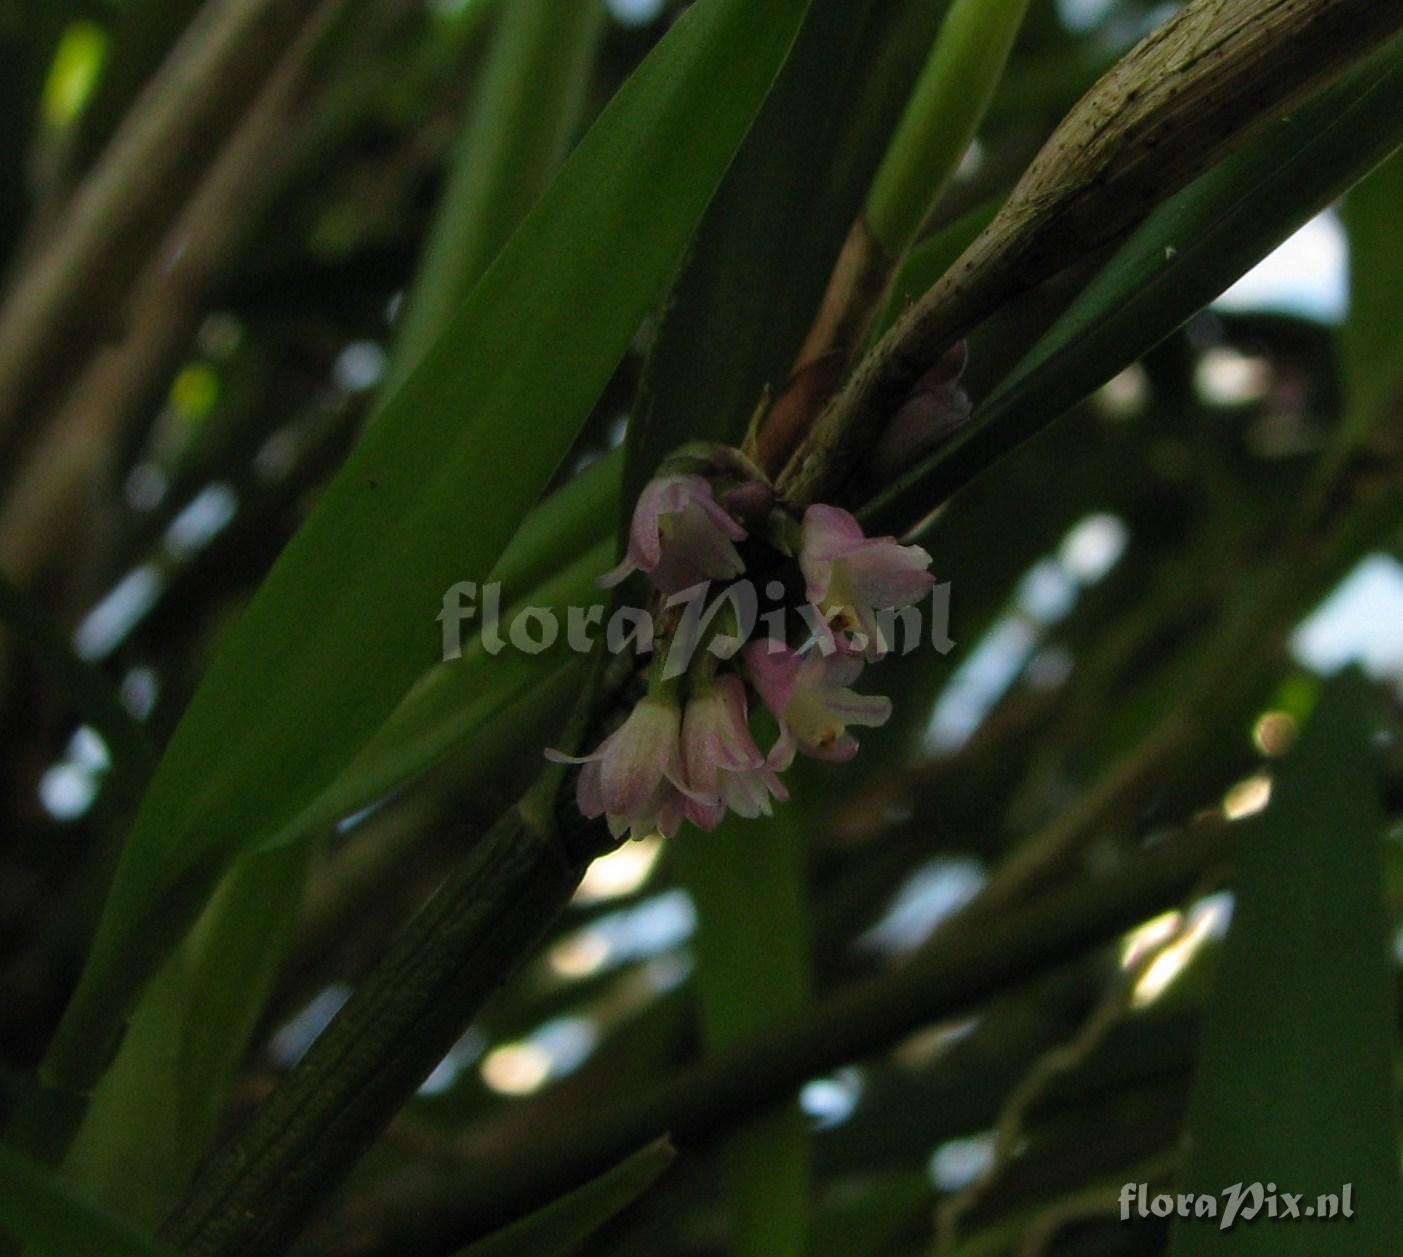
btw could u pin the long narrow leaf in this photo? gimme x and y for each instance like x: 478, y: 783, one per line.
x: 1371, y: 341
x: 519, y: 126
x: 747, y: 880
x: 945, y: 111
x: 457, y: 700
x: 160, y: 1104
x: 559, y: 1227
x: 1295, y: 1078
x: 45, y: 1213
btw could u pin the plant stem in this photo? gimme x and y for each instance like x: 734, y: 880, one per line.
x: 1185, y: 96
x: 215, y: 69
x: 46, y: 506
x: 256, y: 1192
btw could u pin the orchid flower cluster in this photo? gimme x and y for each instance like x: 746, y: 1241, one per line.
x: 686, y: 751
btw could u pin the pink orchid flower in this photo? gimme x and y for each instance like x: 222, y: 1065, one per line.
x: 851, y: 576
x: 723, y: 764
x: 680, y: 536
x: 809, y: 696
x: 634, y: 777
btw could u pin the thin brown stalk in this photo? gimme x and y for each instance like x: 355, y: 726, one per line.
x: 1110, y: 1013
x: 60, y: 477
x: 67, y: 294
x: 850, y: 303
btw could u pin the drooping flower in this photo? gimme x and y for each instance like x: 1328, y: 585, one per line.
x: 850, y: 576
x: 724, y: 767
x: 666, y: 764
x: 680, y: 536
x: 634, y: 777
x: 809, y: 695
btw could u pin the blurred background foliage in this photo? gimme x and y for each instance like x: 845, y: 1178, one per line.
x: 1147, y: 598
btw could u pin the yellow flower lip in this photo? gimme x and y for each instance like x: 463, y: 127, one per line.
x: 839, y: 614
x: 812, y: 721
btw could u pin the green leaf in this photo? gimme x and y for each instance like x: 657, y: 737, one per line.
x: 748, y: 882
x: 564, y: 526
x: 1371, y: 340
x: 872, y: 1221
x: 457, y: 700
x: 562, y: 546
x: 946, y: 108
x: 520, y: 123
x: 1188, y: 251
x: 159, y: 1105
x: 1294, y: 1080
x: 562, y: 1225
x: 345, y: 622
x: 45, y: 1213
